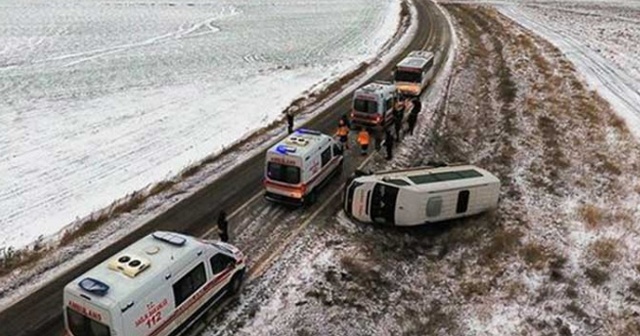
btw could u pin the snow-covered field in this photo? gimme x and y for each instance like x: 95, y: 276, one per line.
x: 601, y: 38
x: 102, y: 98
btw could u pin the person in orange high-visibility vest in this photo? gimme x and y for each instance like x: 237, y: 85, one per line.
x: 363, y: 140
x: 343, y: 133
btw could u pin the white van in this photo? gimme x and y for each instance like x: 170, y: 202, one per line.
x: 413, y: 73
x: 421, y: 195
x: 160, y: 285
x: 299, y: 165
x: 373, y: 105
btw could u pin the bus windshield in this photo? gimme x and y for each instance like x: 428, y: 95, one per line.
x: 283, y: 173
x: 408, y: 76
x: 365, y: 106
x: 81, y: 325
x: 383, y: 204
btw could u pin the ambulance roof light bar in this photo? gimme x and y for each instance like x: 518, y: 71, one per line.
x: 94, y: 286
x: 308, y: 131
x: 284, y: 149
x: 169, y: 238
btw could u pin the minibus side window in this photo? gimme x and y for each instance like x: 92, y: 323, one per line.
x: 220, y: 262
x: 189, y: 284
x: 434, y: 206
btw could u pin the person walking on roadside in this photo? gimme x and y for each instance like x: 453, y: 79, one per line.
x: 363, y: 140
x: 411, y: 120
x: 388, y: 144
x: 223, y: 226
x: 343, y: 134
x: 416, y: 106
x: 377, y: 136
x: 290, y: 121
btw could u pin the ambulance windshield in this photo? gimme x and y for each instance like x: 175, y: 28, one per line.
x: 283, y: 173
x: 365, y: 106
x: 81, y: 325
x: 408, y: 76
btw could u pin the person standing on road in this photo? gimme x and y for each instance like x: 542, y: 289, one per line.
x: 343, y: 134
x: 363, y: 141
x: 388, y: 144
x: 290, y: 121
x: 223, y: 226
x: 346, y: 120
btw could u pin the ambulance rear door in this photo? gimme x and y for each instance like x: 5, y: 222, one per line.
x: 83, y: 317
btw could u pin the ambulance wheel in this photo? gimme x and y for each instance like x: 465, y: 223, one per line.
x: 236, y: 282
x: 311, y: 198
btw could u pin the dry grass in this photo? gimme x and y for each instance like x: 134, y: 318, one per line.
x: 503, y: 241
x: 11, y: 259
x: 596, y: 276
x: 535, y: 255
x: 471, y: 289
x: 605, y: 250
x: 591, y: 215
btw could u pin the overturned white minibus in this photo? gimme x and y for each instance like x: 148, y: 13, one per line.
x: 421, y: 195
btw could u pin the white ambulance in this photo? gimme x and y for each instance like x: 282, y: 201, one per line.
x: 413, y: 73
x: 299, y: 165
x: 160, y: 285
x: 373, y: 105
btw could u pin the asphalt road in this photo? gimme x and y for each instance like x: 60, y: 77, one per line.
x: 258, y: 227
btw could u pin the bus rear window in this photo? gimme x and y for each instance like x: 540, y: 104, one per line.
x: 365, y: 106
x: 81, y: 325
x: 408, y: 76
x: 283, y: 173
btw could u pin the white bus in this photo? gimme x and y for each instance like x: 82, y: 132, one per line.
x: 299, y: 165
x: 413, y: 73
x: 421, y: 195
x: 158, y: 286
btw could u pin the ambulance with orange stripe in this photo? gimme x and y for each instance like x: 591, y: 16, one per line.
x: 158, y: 286
x: 298, y: 166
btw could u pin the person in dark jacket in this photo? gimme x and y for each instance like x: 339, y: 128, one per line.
x: 290, y: 121
x: 388, y: 144
x: 223, y: 226
x: 417, y: 106
x: 411, y: 120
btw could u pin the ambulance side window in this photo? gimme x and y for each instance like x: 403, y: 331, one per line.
x: 189, y: 284
x: 220, y: 262
x: 326, y: 156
